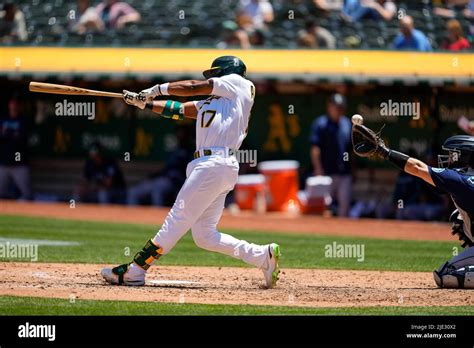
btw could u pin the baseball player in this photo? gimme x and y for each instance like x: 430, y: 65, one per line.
x: 455, y: 176
x: 221, y: 126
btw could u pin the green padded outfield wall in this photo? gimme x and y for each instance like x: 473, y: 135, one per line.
x: 279, y: 127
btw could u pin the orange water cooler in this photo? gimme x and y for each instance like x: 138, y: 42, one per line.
x: 250, y: 192
x: 281, y: 185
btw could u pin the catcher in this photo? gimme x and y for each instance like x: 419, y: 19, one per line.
x: 454, y: 176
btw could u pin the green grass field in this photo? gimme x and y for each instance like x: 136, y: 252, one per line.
x: 109, y: 243
x: 41, y: 306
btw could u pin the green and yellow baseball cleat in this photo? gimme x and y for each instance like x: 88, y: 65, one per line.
x: 270, y: 268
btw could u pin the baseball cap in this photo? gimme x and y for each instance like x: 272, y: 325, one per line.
x: 338, y: 99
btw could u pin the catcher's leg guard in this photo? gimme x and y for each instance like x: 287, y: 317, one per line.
x: 451, y: 278
x: 145, y: 257
x: 458, y: 272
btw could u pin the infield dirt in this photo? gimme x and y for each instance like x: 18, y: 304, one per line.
x: 227, y: 285
x: 232, y: 285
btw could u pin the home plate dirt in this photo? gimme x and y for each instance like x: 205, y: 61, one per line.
x: 229, y: 285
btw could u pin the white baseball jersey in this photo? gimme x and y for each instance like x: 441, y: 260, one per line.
x: 223, y: 118
x: 222, y: 121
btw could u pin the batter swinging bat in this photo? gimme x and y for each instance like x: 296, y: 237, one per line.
x: 71, y: 90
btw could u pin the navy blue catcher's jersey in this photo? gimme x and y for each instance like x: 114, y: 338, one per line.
x: 459, y: 185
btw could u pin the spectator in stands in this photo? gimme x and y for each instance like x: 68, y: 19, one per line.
x: 84, y: 18
x: 116, y: 14
x: 164, y: 186
x: 323, y: 8
x: 13, y: 153
x: 12, y: 24
x: 469, y: 10
x: 314, y: 36
x: 456, y: 40
x: 329, y: 5
x: 469, y: 14
x: 450, y: 8
x: 355, y: 10
x: 102, y: 180
x: 410, y: 38
x: 233, y: 35
x: 259, y: 14
x: 249, y: 28
x: 257, y: 38
x: 331, y: 147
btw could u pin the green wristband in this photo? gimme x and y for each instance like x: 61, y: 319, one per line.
x: 173, y: 110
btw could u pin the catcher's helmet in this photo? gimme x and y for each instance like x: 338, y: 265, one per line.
x: 226, y: 65
x: 460, y: 152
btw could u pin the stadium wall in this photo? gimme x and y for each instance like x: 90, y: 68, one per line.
x: 305, y: 64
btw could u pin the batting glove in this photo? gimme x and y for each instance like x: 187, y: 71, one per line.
x: 132, y: 98
x: 150, y: 93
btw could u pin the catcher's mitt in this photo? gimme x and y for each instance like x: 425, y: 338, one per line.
x: 365, y: 142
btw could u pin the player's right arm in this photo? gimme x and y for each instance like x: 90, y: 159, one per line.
x: 227, y: 86
x: 186, y: 88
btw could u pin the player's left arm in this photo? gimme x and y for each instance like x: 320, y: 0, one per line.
x: 420, y: 169
x: 366, y: 142
x: 188, y: 109
x: 165, y: 108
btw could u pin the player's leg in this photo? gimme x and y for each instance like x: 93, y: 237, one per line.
x: 200, y: 189
x: 137, y: 192
x: 333, y: 189
x: 206, y: 236
x: 161, y: 187
x: 104, y: 196
x: 4, y: 180
x: 344, y: 193
x: 21, y: 176
x: 458, y: 272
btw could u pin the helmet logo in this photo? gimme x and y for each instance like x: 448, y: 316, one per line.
x: 236, y: 61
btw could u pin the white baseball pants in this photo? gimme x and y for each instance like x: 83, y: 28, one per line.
x: 199, y: 206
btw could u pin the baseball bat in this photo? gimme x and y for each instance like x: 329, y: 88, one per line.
x: 70, y: 90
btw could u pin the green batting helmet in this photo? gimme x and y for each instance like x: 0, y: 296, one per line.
x: 226, y: 65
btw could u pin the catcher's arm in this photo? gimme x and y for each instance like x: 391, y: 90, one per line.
x: 366, y: 143
x: 418, y: 168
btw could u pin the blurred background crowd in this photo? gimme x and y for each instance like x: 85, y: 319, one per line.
x: 421, y: 25
x: 129, y: 157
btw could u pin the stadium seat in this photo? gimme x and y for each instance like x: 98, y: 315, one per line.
x: 202, y: 24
